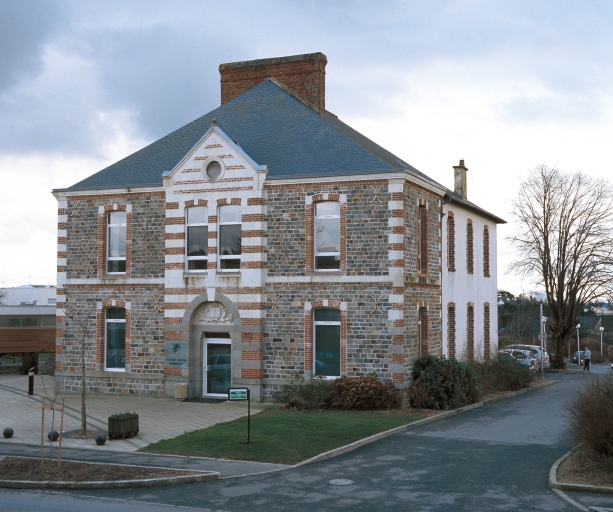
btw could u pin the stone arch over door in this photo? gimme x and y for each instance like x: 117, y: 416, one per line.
x: 211, y: 313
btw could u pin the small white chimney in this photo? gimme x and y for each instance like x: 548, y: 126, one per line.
x: 459, y: 185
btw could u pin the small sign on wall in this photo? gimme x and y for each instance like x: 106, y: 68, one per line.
x: 175, y: 354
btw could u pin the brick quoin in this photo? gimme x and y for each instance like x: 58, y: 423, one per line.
x: 251, y: 373
x: 303, y: 75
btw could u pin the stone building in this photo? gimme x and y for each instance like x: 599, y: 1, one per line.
x: 264, y: 241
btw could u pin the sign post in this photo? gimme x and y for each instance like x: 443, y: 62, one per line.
x: 239, y: 395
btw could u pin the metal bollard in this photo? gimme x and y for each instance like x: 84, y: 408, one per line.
x: 31, y: 381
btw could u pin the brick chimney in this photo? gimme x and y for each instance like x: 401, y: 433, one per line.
x: 303, y: 75
x: 459, y: 185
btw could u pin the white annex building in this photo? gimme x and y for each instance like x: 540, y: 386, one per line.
x: 469, y: 288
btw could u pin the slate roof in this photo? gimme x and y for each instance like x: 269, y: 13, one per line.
x: 274, y: 128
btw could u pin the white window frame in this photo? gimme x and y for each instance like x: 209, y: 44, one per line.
x: 315, y: 224
x: 227, y: 257
x: 109, y: 226
x: 326, y: 322
x: 117, y: 321
x: 188, y: 225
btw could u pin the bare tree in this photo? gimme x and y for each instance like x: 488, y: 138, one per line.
x: 564, y: 238
x: 2, y: 297
x: 82, y: 316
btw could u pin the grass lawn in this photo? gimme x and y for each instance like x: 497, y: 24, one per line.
x: 281, y: 436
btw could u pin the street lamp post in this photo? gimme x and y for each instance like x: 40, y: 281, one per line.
x: 578, y: 347
x: 540, y: 297
x: 601, y: 329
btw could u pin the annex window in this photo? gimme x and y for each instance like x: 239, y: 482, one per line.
x: 470, y: 333
x: 115, y: 339
x: 422, y: 249
x: 327, y: 342
x: 197, y: 238
x: 486, y: 331
x: 451, y: 341
x: 230, y: 237
x: 116, y: 243
x: 486, y: 251
x: 470, y: 249
x: 450, y: 242
x: 328, y: 235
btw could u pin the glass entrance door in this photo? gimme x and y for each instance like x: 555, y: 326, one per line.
x: 217, y: 366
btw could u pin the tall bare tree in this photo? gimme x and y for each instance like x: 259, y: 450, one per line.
x: 82, y: 332
x: 2, y: 297
x: 564, y: 238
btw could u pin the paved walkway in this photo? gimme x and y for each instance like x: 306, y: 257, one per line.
x: 159, y: 418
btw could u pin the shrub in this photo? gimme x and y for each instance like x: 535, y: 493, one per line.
x: 502, y: 374
x: 591, y: 416
x: 440, y: 383
x: 313, y: 394
x: 362, y: 394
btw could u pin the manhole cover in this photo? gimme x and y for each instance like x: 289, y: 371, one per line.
x: 340, y: 481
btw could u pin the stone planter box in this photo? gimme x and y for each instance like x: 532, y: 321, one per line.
x: 123, y: 425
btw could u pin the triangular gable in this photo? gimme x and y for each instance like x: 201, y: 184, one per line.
x: 217, y: 133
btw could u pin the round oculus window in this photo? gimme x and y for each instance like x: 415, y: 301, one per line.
x: 213, y: 170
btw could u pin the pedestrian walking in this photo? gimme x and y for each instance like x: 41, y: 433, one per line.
x: 587, y: 355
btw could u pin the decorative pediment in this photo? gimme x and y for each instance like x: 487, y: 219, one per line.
x: 215, y: 159
x: 213, y: 313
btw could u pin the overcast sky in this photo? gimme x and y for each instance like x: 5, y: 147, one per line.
x: 504, y: 85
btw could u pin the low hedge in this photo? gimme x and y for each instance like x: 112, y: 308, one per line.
x: 348, y: 394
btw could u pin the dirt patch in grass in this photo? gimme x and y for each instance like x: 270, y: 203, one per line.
x: 16, y: 468
x: 584, y: 467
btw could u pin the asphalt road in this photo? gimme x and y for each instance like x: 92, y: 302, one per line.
x: 493, y: 458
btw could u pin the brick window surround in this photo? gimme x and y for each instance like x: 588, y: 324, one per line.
x: 100, y: 331
x: 470, y: 332
x: 470, y: 247
x: 310, y: 232
x: 103, y: 215
x: 424, y: 331
x: 486, y: 251
x: 422, y: 247
x: 450, y: 242
x: 451, y: 333
x: 308, y: 333
x: 486, y: 331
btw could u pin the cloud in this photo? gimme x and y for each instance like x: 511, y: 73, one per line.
x: 25, y: 26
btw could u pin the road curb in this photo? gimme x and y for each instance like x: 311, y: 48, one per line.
x: 202, y: 476
x: 561, y: 486
x: 397, y: 430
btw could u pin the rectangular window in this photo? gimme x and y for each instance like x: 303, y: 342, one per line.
x: 115, y: 339
x: 470, y: 251
x: 116, y: 243
x: 230, y: 237
x: 450, y: 242
x: 328, y: 235
x: 327, y: 342
x: 486, y: 252
x: 197, y: 238
x: 423, y: 240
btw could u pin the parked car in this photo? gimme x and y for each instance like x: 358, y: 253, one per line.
x: 524, y: 357
x: 535, y: 350
x: 578, y: 356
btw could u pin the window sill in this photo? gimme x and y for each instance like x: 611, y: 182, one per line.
x: 192, y: 273
x: 115, y: 370
x: 228, y: 272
